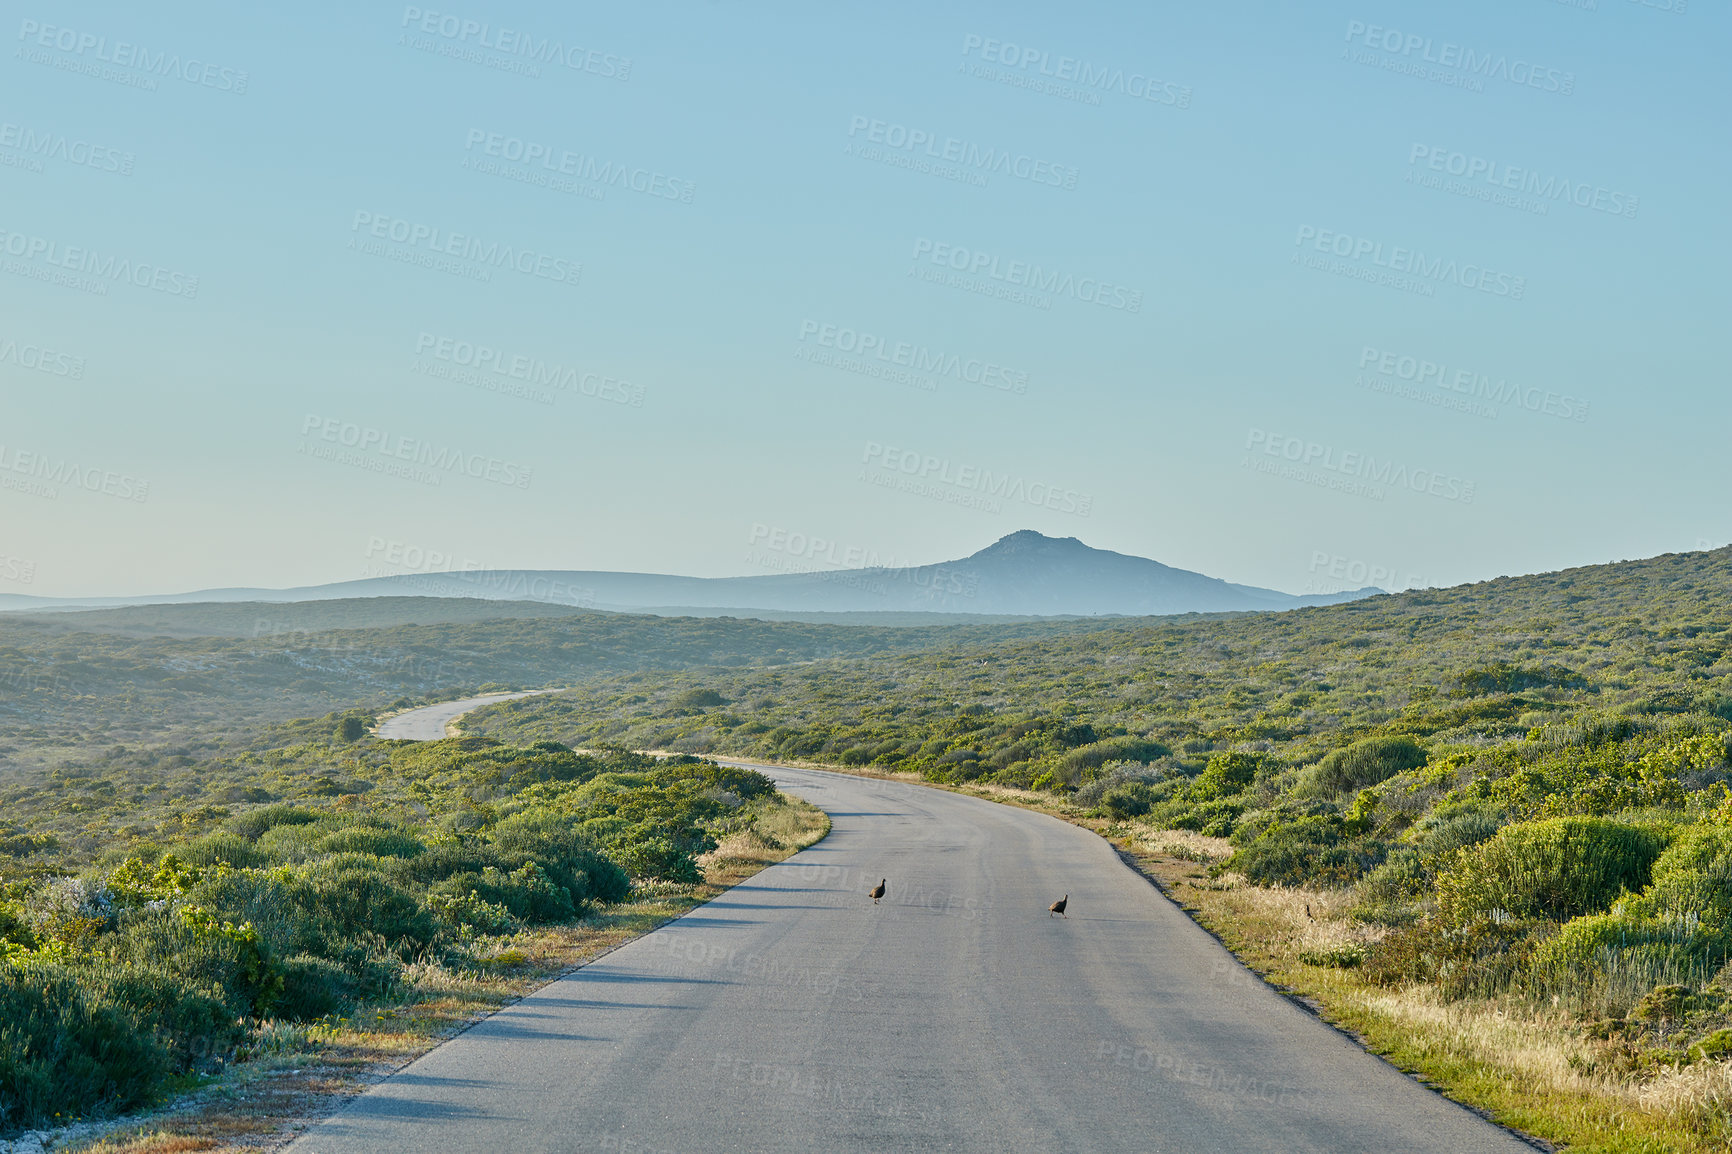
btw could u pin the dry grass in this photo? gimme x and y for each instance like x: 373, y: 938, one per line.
x: 303, y: 1071
x: 1532, y: 1068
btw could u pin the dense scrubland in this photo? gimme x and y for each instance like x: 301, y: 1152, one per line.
x: 391, y: 867
x: 1501, y: 803
x: 158, y: 687
x: 1512, y: 793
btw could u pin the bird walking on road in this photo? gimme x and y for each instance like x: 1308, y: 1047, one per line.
x: 1058, y: 907
x: 878, y: 890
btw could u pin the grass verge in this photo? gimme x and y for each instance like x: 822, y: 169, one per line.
x: 297, y: 1073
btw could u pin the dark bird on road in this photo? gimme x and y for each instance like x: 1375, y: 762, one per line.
x: 878, y: 891
x: 1058, y: 906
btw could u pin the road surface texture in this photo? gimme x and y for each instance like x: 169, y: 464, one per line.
x: 428, y: 723
x: 792, y: 1013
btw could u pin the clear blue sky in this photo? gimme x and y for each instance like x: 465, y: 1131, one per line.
x: 1419, y: 293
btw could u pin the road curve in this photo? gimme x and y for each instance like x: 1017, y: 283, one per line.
x: 792, y: 1014
x: 428, y: 723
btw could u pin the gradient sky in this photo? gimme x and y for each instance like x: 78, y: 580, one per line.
x: 168, y: 441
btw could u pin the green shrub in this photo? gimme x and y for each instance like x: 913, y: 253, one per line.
x: 570, y: 859
x: 253, y: 825
x: 352, y: 902
x: 312, y: 988
x: 1715, y: 1047
x: 659, y: 859
x: 697, y: 699
x: 1692, y: 879
x: 291, y: 842
x: 1307, y: 850
x: 1400, y: 879
x: 278, y: 905
x: 375, y: 841
x: 1502, y: 677
x: 1442, y: 838
x: 466, y: 910
x: 1630, y: 955
x: 1130, y: 799
x: 526, y: 893
x: 222, y: 847
x: 204, y: 951
x: 1366, y: 763
x: 66, y: 1051
x: 1072, y: 765
x: 1217, y: 818
x: 193, y: 1023
x: 1481, y: 959
x: 1225, y: 774
x: 1556, y: 869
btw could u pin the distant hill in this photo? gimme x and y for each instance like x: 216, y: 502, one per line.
x: 1024, y: 574
x: 284, y: 620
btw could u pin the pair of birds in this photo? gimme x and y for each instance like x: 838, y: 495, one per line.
x: 1056, y: 907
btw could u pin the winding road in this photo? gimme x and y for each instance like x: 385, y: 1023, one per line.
x: 430, y: 721
x: 793, y: 1014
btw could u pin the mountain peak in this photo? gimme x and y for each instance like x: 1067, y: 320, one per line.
x: 1024, y: 542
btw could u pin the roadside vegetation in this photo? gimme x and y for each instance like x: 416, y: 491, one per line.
x: 398, y: 872
x: 1508, y: 802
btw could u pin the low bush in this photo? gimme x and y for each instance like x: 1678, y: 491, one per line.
x: 1366, y: 763
x: 1692, y: 879
x: 1307, y: 850
x: 1127, y: 800
x: 67, y: 1050
x: 1225, y: 774
x: 313, y: 987
x: 1555, y: 869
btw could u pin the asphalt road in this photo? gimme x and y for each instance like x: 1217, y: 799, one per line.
x: 428, y: 723
x: 793, y: 1014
